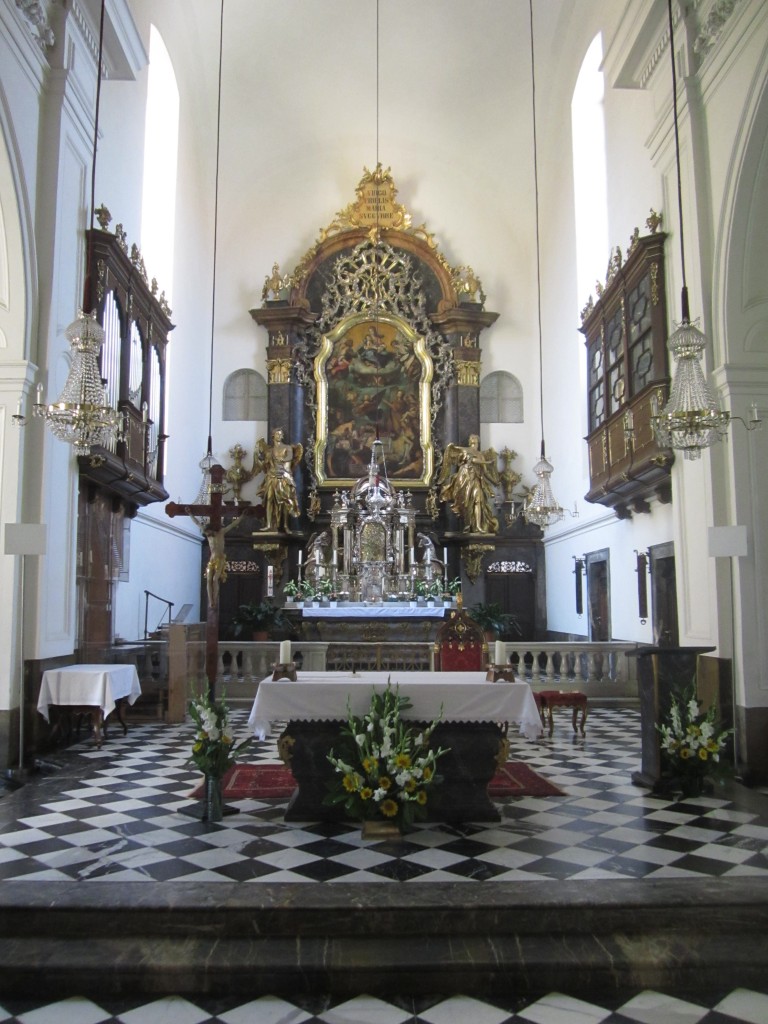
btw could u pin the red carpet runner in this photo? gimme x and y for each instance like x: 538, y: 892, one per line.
x: 272, y: 781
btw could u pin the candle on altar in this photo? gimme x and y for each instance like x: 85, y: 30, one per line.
x: 285, y: 652
x: 301, y: 555
x: 500, y: 655
x: 445, y: 557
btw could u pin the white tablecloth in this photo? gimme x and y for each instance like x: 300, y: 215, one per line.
x: 93, y: 686
x: 464, y: 697
x: 376, y: 611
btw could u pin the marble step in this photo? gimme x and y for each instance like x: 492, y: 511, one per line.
x: 105, y: 939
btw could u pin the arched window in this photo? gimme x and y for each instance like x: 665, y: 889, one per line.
x: 245, y: 396
x: 501, y: 398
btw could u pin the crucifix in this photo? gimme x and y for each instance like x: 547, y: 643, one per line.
x: 215, y: 533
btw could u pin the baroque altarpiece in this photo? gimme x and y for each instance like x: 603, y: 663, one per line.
x: 373, y: 367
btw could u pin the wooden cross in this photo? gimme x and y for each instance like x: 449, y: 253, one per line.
x: 215, y: 531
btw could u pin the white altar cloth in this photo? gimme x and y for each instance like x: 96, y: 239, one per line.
x: 92, y: 686
x: 375, y: 611
x: 463, y: 696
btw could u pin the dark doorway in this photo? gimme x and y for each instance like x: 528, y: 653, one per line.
x: 664, y: 595
x: 516, y: 593
x: 599, y: 595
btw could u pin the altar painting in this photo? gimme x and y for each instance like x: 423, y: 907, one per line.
x: 373, y: 379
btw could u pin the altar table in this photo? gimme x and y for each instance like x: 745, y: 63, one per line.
x: 93, y: 689
x: 474, y: 714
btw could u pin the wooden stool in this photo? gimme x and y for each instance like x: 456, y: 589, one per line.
x: 546, y: 700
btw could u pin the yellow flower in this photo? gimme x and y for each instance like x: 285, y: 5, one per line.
x: 366, y: 793
x: 369, y: 765
x: 685, y: 753
x: 421, y: 797
x: 351, y: 782
x: 388, y: 808
x: 403, y: 761
x: 703, y: 753
x: 427, y: 774
x: 385, y: 782
x: 410, y: 785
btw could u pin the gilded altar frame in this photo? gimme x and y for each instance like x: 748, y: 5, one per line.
x: 373, y: 378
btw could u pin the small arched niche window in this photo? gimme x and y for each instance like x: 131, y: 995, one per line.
x: 245, y: 396
x: 501, y: 398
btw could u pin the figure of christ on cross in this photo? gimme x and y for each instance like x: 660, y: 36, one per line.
x: 216, y: 570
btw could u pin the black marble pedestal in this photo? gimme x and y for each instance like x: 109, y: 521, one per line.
x: 663, y: 673
x: 467, y: 768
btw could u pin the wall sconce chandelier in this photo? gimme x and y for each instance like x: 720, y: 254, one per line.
x: 691, y: 419
x: 82, y: 415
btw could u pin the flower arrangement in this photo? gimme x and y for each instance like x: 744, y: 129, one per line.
x: 384, y: 767
x: 691, y: 744
x: 214, y: 750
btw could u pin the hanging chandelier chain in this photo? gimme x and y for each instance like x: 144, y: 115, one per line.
x: 215, y: 225
x: 686, y: 314
x: 87, y: 285
x: 538, y: 237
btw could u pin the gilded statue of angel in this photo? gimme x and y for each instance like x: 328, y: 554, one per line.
x: 278, y: 489
x: 468, y: 477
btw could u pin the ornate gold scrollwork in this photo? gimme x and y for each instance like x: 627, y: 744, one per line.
x: 472, y: 557
x: 285, y: 745
x: 655, y: 283
x: 276, y: 555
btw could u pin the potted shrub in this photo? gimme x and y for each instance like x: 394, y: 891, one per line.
x: 493, y: 619
x: 260, y: 618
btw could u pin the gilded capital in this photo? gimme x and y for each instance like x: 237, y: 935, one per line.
x: 279, y: 371
x: 468, y: 372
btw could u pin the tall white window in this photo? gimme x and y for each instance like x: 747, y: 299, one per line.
x: 161, y: 143
x: 158, y: 209
x: 589, y: 172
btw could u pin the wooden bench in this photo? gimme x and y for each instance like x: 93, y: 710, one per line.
x: 547, y: 700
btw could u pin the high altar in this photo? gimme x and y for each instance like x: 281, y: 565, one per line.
x: 373, y: 373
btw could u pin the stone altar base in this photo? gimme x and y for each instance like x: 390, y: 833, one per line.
x: 468, y: 766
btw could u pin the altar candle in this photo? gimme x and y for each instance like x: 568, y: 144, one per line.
x: 285, y: 652
x: 445, y: 557
x: 413, y: 558
x: 301, y: 555
x: 499, y: 657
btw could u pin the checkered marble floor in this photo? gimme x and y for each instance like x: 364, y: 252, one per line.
x: 121, y: 813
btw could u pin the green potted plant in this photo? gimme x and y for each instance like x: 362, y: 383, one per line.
x: 493, y: 619
x: 261, y: 618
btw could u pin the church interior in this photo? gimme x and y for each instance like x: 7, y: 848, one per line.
x: 475, y: 403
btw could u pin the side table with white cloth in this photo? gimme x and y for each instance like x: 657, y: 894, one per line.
x: 474, y: 716
x: 96, y: 690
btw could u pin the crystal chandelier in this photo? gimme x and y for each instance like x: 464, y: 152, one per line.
x: 691, y: 420
x: 82, y: 415
x: 540, y: 507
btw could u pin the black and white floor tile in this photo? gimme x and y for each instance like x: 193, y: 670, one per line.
x: 118, y: 814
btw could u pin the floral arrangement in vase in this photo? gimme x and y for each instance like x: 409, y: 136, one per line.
x: 384, y: 768
x: 691, y: 744
x: 214, y: 750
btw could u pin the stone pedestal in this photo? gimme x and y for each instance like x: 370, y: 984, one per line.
x: 467, y: 768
